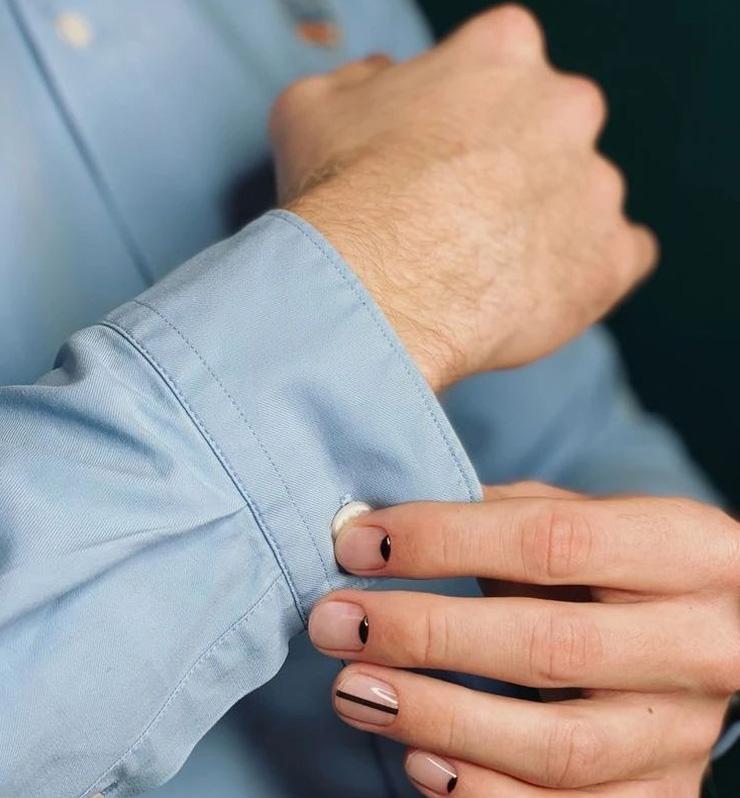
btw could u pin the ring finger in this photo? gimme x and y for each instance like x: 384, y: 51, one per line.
x: 535, y: 642
x: 565, y: 745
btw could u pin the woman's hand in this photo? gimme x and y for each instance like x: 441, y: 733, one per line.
x: 655, y: 652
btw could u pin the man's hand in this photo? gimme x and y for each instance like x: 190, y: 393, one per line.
x: 654, y: 650
x: 465, y: 190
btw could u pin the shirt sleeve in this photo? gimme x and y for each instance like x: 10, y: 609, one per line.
x: 618, y: 446
x: 166, y: 495
x: 573, y: 420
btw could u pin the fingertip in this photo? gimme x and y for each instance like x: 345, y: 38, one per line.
x: 338, y: 626
x: 363, y: 699
x: 360, y: 549
x: 430, y: 772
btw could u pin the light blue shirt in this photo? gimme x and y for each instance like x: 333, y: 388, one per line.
x: 166, y: 490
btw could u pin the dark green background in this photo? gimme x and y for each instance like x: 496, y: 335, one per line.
x: 670, y: 71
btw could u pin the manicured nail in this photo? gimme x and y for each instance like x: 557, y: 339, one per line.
x: 339, y: 625
x: 366, y: 699
x: 432, y: 772
x: 363, y: 548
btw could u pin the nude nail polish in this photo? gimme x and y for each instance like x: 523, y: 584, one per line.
x: 339, y: 626
x: 431, y: 771
x: 366, y: 699
x: 363, y: 548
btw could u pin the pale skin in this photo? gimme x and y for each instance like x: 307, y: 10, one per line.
x: 652, y: 642
x: 465, y: 189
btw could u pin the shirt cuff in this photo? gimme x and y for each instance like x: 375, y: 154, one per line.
x: 306, y: 393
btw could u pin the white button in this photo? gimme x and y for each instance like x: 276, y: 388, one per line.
x: 98, y: 795
x: 76, y: 31
x: 347, y: 513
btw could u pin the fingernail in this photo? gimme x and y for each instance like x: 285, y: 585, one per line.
x: 366, y: 699
x: 432, y: 772
x: 339, y: 625
x: 363, y: 548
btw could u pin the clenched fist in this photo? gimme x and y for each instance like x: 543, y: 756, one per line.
x: 465, y: 190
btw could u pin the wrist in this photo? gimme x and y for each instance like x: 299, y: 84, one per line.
x: 371, y: 251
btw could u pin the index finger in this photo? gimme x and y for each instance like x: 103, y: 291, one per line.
x: 642, y: 544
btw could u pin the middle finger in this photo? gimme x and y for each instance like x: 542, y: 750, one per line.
x: 534, y: 642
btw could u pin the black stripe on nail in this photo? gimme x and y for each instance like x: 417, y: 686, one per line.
x: 355, y: 699
x: 364, y: 630
x: 451, y: 784
x: 385, y: 548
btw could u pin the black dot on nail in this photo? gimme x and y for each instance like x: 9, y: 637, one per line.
x: 451, y: 784
x: 364, y: 629
x: 385, y: 548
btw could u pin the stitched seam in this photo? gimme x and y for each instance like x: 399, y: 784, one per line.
x: 331, y: 258
x: 220, y: 455
x: 256, y: 437
x: 221, y: 640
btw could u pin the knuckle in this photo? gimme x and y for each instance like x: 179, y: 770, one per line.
x: 516, y: 21
x: 610, y: 181
x: 511, y: 26
x: 585, y: 99
x: 648, y: 251
x: 556, y: 544
x: 694, y: 740
x: 293, y: 99
x: 573, y: 756
x: 628, y: 263
x: 561, y: 646
x: 722, y: 530
x: 722, y: 673
x: 455, y: 733
x: 431, y: 644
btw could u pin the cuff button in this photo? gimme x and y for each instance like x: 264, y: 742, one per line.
x: 347, y: 513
